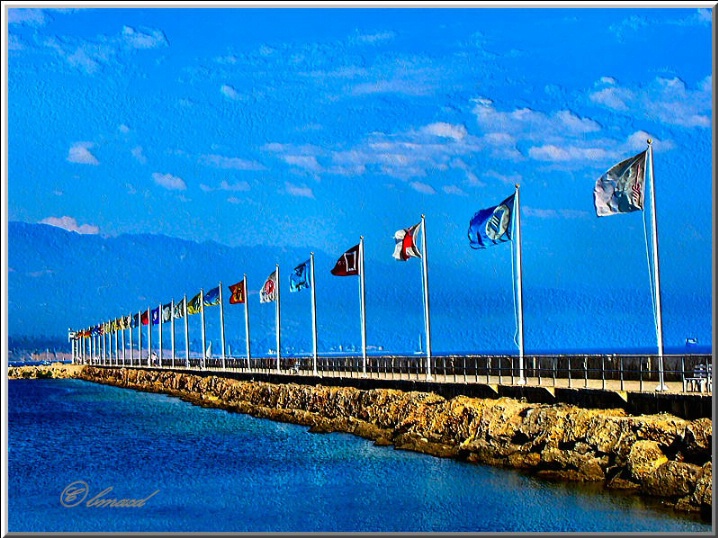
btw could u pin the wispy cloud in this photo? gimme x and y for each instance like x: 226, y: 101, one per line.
x: 372, y: 39
x: 423, y: 188
x: 446, y: 130
x: 139, y: 155
x: 529, y: 211
x: 144, y: 39
x: 225, y: 186
x: 80, y: 153
x: 229, y: 92
x: 27, y: 17
x: 124, y: 129
x: 665, y: 100
x: 307, y: 162
x: 169, y: 182
x: 453, y: 189
x: 236, y: 163
x: 631, y: 26
x: 296, y: 190
x: 70, y: 224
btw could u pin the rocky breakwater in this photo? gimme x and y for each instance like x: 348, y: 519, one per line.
x: 659, y: 455
x: 55, y: 370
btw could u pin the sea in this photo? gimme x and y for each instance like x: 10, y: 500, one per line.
x: 85, y: 457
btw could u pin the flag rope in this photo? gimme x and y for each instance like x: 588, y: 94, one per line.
x: 651, y: 276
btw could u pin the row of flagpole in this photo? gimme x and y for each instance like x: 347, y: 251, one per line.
x: 620, y: 190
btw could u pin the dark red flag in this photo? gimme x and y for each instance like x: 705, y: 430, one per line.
x: 348, y: 263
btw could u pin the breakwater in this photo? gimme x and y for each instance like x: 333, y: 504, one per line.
x: 655, y: 455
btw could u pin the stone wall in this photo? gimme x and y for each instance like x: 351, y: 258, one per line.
x: 655, y: 455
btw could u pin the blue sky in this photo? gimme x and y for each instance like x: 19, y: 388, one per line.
x: 309, y: 127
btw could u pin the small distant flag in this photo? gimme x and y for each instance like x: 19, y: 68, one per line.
x: 166, y: 312
x: 194, y: 306
x: 299, y: 279
x: 145, y: 318
x: 348, y: 263
x: 156, y: 316
x: 211, y: 298
x: 622, y: 188
x: 180, y: 309
x: 406, y: 244
x: 268, y: 293
x: 492, y: 226
x: 238, y: 293
x: 135, y: 321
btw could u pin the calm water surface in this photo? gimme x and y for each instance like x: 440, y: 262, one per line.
x: 223, y: 472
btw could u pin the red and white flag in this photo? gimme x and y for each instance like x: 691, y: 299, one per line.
x: 268, y: 293
x: 406, y: 244
x: 348, y: 263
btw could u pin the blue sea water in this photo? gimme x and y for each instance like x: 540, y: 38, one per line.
x: 216, y: 471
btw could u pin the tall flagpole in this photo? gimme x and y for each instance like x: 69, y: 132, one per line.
x: 139, y: 337
x: 186, y: 331
x: 204, y: 339
x: 172, y: 328
x: 132, y: 351
x: 362, y: 305
x: 425, y: 275
x: 279, y: 319
x: 149, y: 336
x: 221, y: 326
x: 520, y: 328
x: 659, y: 320
x: 123, y: 341
x: 246, y: 317
x: 314, y: 311
x: 159, y: 318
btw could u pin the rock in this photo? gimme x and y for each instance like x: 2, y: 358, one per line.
x: 673, y: 479
x: 644, y: 458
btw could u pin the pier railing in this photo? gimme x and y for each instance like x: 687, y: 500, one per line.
x: 623, y: 372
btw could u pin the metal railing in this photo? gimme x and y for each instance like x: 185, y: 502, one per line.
x: 606, y: 372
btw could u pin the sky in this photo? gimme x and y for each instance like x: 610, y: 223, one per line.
x: 308, y: 127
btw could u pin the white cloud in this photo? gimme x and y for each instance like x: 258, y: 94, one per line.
x: 234, y: 200
x: 14, y: 42
x: 235, y: 163
x: 138, y: 154
x: 553, y: 213
x: 376, y: 38
x: 308, y: 162
x: 296, y: 190
x: 552, y: 153
x: 423, y: 188
x: 70, y: 224
x: 205, y: 188
x: 229, y: 92
x: 613, y: 98
x: 170, y: 182
x: 446, y: 130
x: 513, y: 179
x: 148, y: 39
x: 239, y: 186
x: 453, y: 189
x: 124, y: 128
x: 400, y: 86
x: 27, y: 17
x: 80, y: 153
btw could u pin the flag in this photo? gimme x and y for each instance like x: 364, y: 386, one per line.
x: 145, y: 318
x: 135, y: 321
x: 299, y: 279
x: 156, y: 316
x: 492, y: 226
x: 194, y: 306
x: 238, y: 293
x: 268, y: 293
x: 348, y: 263
x: 406, y: 244
x: 180, y: 309
x: 166, y: 312
x: 622, y: 188
x: 211, y: 298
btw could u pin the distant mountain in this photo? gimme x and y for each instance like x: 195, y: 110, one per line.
x: 59, y: 279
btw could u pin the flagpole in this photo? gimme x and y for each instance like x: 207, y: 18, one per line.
x: 656, y: 279
x: 132, y: 353
x: 204, y: 339
x: 172, y: 329
x: 279, y: 339
x: 123, y: 341
x: 314, y: 311
x: 139, y: 337
x: 221, y: 326
x: 362, y: 305
x: 149, y: 336
x: 117, y: 344
x: 425, y: 275
x: 520, y: 328
x: 246, y: 317
x: 186, y: 330
x: 159, y: 318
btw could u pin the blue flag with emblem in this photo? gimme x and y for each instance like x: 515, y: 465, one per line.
x: 299, y: 279
x: 492, y: 226
x: 211, y: 298
x: 156, y: 316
